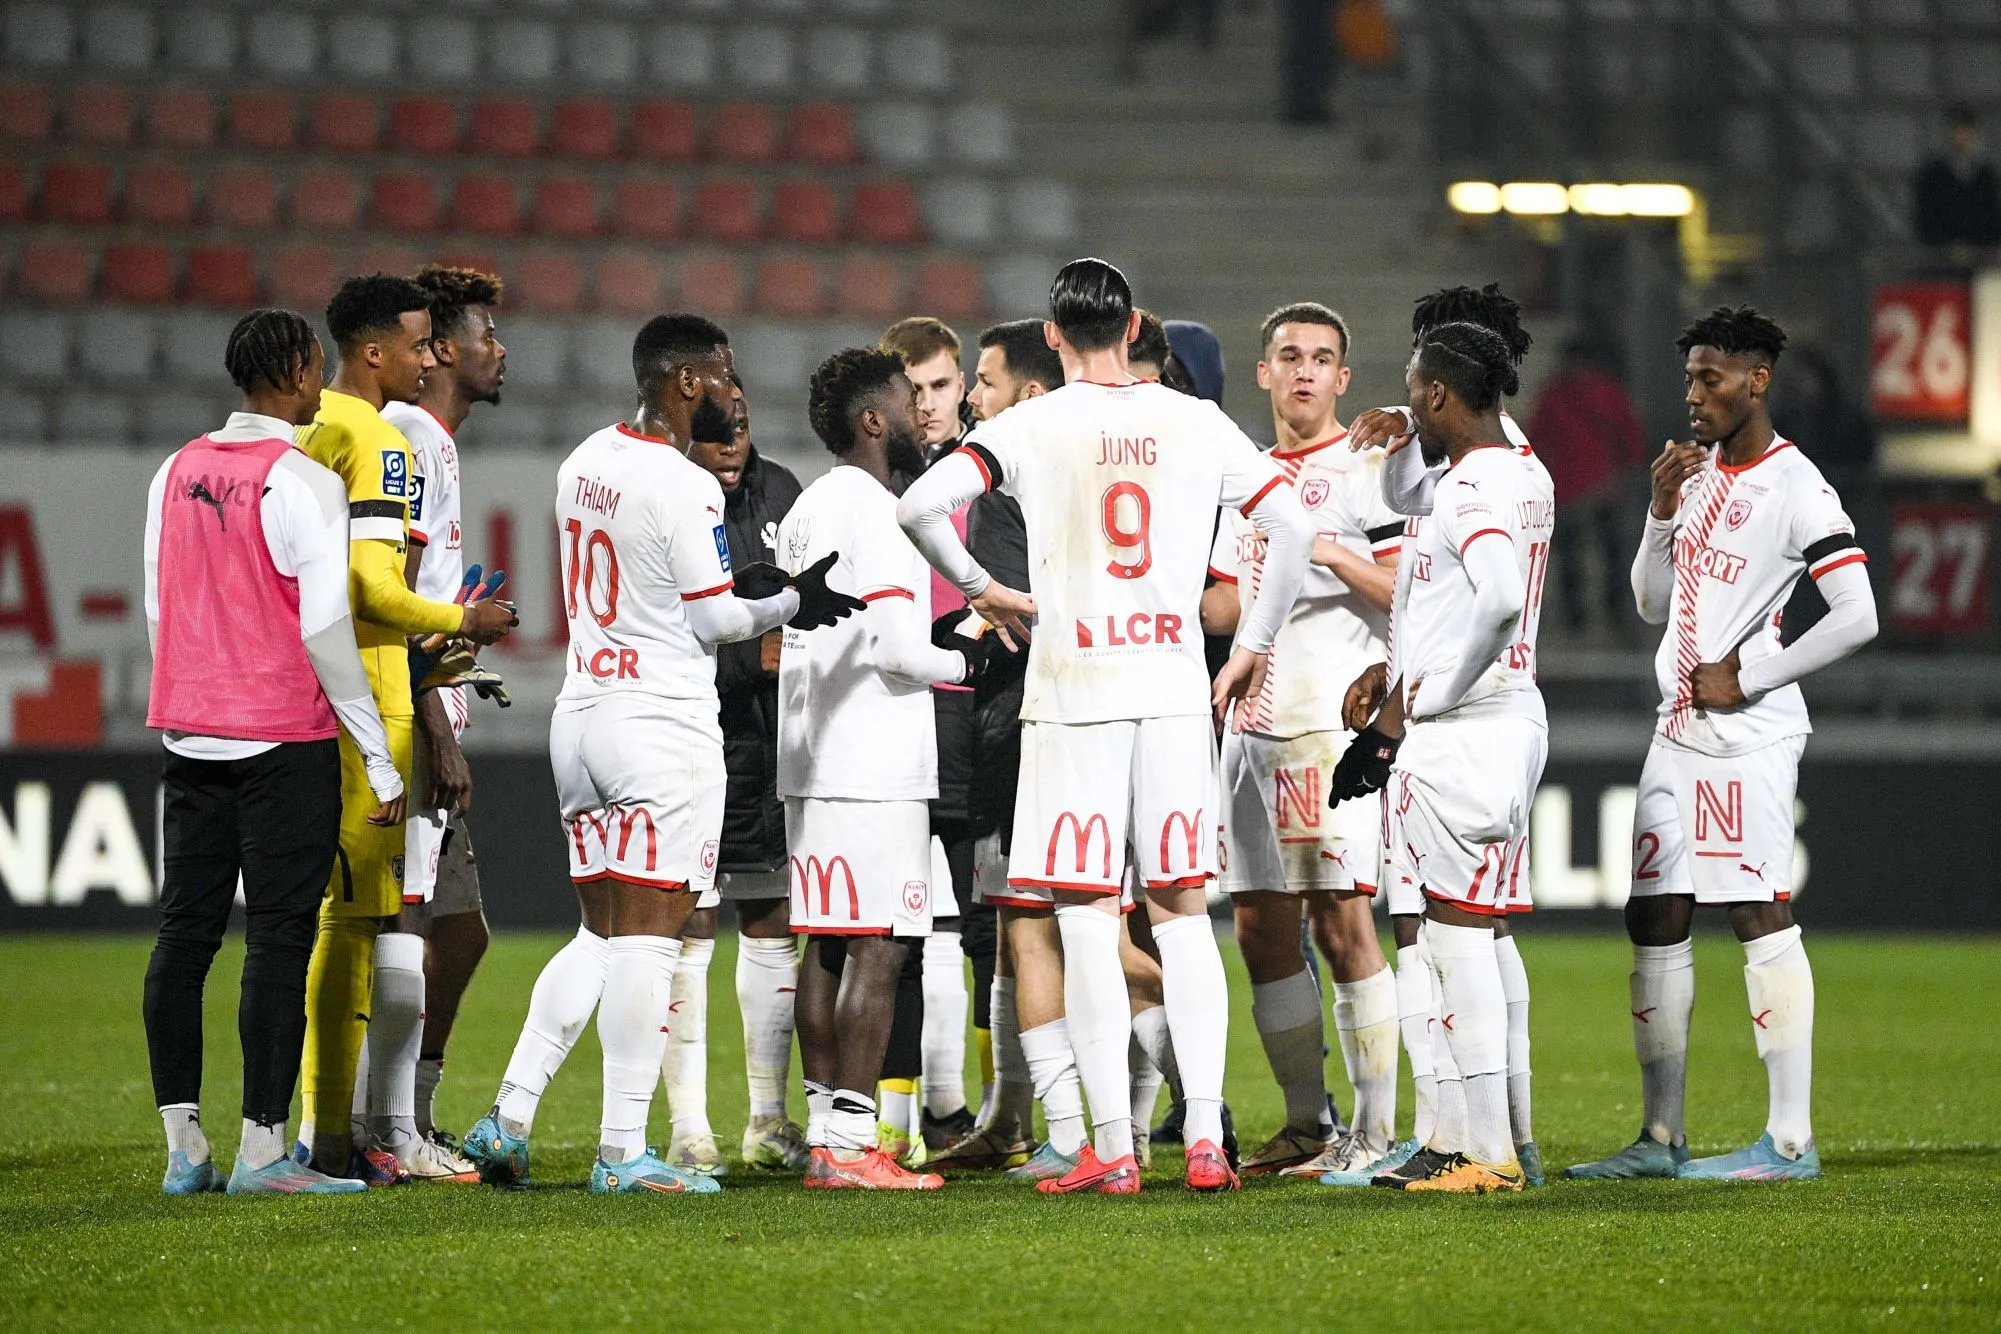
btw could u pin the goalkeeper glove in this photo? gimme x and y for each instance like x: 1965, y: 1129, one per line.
x: 820, y: 605
x: 1364, y: 766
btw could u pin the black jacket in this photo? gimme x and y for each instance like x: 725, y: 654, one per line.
x: 998, y: 538
x: 753, y: 817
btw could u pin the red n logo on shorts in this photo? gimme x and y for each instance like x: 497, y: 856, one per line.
x: 1727, y: 811
x: 626, y: 819
x: 1298, y: 795
x: 1080, y: 833
x: 813, y: 870
x: 1190, y: 830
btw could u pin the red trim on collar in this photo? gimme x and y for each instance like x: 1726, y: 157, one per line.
x: 1779, y: 442
x: 623, y: 429
x: 1312, y: 449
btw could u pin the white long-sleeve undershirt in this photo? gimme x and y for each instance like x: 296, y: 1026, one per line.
x: 726, y: 618
x: 1498, y: 600
x: 1849, y: 624
x: 899, y: 644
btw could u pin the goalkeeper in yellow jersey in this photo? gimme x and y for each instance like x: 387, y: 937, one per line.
x: 382, y: 326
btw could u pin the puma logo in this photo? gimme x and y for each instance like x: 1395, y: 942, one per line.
x: 1447, y: 1020
x: 1758, y: 870
x: 198, y: 490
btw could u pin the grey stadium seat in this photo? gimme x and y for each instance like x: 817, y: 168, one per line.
x: 980, y: 133
x: 538, y: 352
x: 603, y: 53
x: 898, y: 134
x: 774, y: 360
x: 202, y: 39
x: 116, y: 344
x: 276, y: 42
x: 761, y: 58
x: 40, y: 35
x: 917, y: 58
x: 119, y: 37
x: 447, y: 48
x: 192, y: 343
x: 961, y: 210
x: 601, y: 351
x: 93, y: 419
x: 682, y: 55
x: 837, y: 58
x: 1042, y: 211
x: 34, y: 344
x: 24, y: 418
x: 169, y: 418
x: 363, y: 46
x: 522, y: 50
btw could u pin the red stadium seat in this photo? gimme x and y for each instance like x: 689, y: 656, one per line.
x: 160, y: 195
x: 544, y: 281
x: 405, y: 201
x: 468, y: 257
x: 261, y: 120
x: 302, y: 277
x: 647, y: 210
x: 180, y: 118
x: 94, y: 114
x: 629, y: 284
x: 711, y: 284
x: 487, y: 203
x: 24, y: 113
x: 343, y: 123
x: 13, y: 191
x: 727, y: 210
x: 885, y: 212
x: 870, y: 287
x: 566, y: 206
x: 326, y: 199
x: 503, y: 127
x: 54, y: 271
x: 138, y: 271
x: 387, y: 258
x: 426, y: 125
x: 743, y: 132
x: 584, y: 128
x: 663, y: 131
x: 789, y: 286
x: 805, y: 211
x: 950, y: 288
x: 221, y: 275
x: 823, y: 134
x: 76, y: 192
x: 242, y: 197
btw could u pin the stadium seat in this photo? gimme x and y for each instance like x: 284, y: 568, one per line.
x: 503, y: 127
x: 663, y: 131
x: 180, y: 118
x: 566, y: 206
x: 220, y: 275
x: 117, y: 344
x: 950, y: 288
x: 603, y: 52
x: 302, y: 277
x: 137, y: 271
x: 202, y: 40
x: 538, y: 352
x: 76, y: 192
x: 40, y: 34
x: 119, y: 37
x: 980, y: 134
x: 885, y: 212
x: 387, y: 257
x: 711, y: 284
x: 446, y: 47
x: 681, y: 55
x: 790, y: 287
x: 362, y: 46
x: 838, y: 58
x: 160, y: 195
x: 647, y: 210
x: 629, y: 284
x: 53, y: 271
x: 13, y: 191
x: 522, y: 50
x: 192, y: 341
x: 95, y: 114
x: 760, y: 57
x: 282, y: 42
x: 545, y: 281
x: 34, y: 344
x: 487, y: 203
x: 405, y: 201
x: 1972, y: 70
x: 961, y: 210
x: 727, y: 210
x: 242, y: 197
x: 260, y: 120
x: 583, y: 127
x: 427, y: 125
x: 822, y: 133
x: 870, y: 287
x: 343, y: 123
x: 330, y: 200
x: 466, y: 257
x: 93, y: 419
x: 24, y: 113
x: 898, y: 134
x: 601, y: 356
x: 26, y: 416
x: 917, y: 58
x: 805, y: 211
x: 743, y: 132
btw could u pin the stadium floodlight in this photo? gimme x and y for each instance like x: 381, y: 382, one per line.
x: 1600, y: 199
x: 1659, y: 201
x: 1474, y: 197
x: 1535, y: 198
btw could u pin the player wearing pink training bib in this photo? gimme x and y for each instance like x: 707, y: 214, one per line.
x: 1119, y: 483
x: 1737, y: 516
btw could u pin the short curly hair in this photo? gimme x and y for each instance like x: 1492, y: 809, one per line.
x: 840, y: 388
x: 454, y: 291
x: 1736, y: 331
x: 371, y: 304
x: 1486, y: 306
x: 1473, y: 361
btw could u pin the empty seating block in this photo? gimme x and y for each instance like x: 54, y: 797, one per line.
x: 871, y: 288
x: 180, y: 118
x: 823, y: 134
x: 202, y: 39
x: 24, y: 113
x: 647, y: 210
x: 711, y: 284
x: 566, y: 206
x: 387, y: 259
x: 584, y: 128
x: 137, y: 271
x: 343, y: 123
x: 426, y: 125
x: 160, y: 195
x: 192, y: 342
x: 545, y: 282
x: 805, y: 211
x: 242, y: 197
x: 40, y: 34
x: 302, y: 277
x: 53, y: 271
x: 76, y: 192
x: 486, y: 204
x: 523, y: 50
x: 282, y: 42
x: 13, y: 192
x: 95, y: 115
x: 743, y: 132
x: 34, y: 344
x: 788, y: 286
x: 760, y: 57
x: 726, y: 210
x: 445, y: 47
x: 221, y: 275
x: 326, y: 199
x: 664, y: 131
x: 950, y: 288
x: 116, y: 344
x: 260, y: 120
x: 504, y: 127
x: 119, y: 37
x: 886, y: 212
x: 602, y: 53
x: 362, y: 46
x: 406, y: 201
x: 629, y: 283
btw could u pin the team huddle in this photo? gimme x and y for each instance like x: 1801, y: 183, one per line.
x: 1306, y: 675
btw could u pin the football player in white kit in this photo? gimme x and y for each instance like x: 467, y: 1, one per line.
x: 858, y: 763
x: 1737, y: 516
x: 1119, y: 481
x: 635, y: 744
x: 1463, y: 733
x: 1282, y: 848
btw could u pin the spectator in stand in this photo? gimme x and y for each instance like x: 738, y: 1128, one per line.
x: 1958, y: 199
x: 1587, y: 435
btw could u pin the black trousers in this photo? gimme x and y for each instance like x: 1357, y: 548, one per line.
x: 274, y: 819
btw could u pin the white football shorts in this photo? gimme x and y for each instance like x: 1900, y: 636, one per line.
x: 859, y: 868
x: 1718, y: 827
x: 1457, y: 819
x: 1278, y: 831
x: 640, y: 782
x: 439, y: 869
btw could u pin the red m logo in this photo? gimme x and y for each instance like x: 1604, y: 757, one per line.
x: 1190, y: 829
x: 812, y: 870
x: 628, y: 817
x: 1080, y: 833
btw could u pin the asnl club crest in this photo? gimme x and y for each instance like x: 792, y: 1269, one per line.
x: 1313, y: 492
x: 1734, y: 517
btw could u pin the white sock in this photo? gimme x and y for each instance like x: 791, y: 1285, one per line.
x: 1475, y: 1012
x: 1150, y: 1030
x: 819, y: 1106
x: 1014, y: 1087
x: 945, y: 1004
x: 685, y: 1068
x: 430, y: 1072
x: 184, y: 1132
x: 357, y: 1108
x: 767, y: 979
x: 1289, y: 1023
x: 1198, y: 1013
x: 1099, y: 1012
x: 1779, y: 981
x: 1416, y: 1017
x: 1365, y: 1018
x: 1146, y: 1081
x: 895, y: 1106
x: 851, y: 1120
x: 632, y: 1028
x: 1515, y: 986
x: 1663, y: 994
x: 395, y: 1035
x: 561, y: 1004
x: 1052, y: 1070
x: 261, y: 1146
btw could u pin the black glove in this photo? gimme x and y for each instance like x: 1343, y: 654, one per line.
x: 1364, y: 766
x: 818, y: 604
x: 759, y: 580
x: 945, y: 635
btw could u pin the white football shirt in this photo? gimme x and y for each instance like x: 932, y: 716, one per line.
x: 1119, y: 487
x: 640, y: 531
x: 436, y: 511
x: 847, y: 728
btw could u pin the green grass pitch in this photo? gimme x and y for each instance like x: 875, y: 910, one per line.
x: 1904, y: 1230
